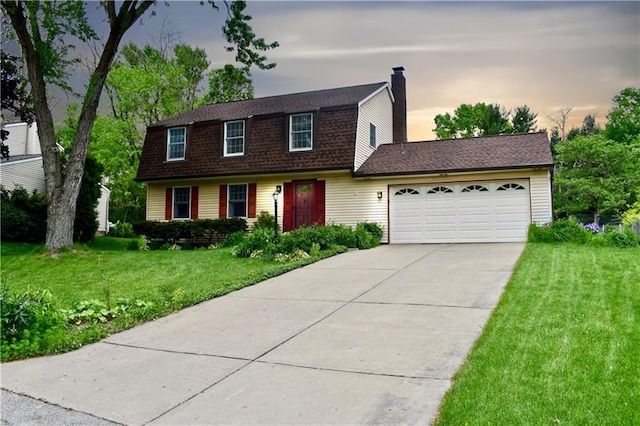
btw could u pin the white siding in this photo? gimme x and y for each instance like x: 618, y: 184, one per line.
x: 25, y: 173
x: 376, y: 110
x: 23, y: 139
x: 540, y: 189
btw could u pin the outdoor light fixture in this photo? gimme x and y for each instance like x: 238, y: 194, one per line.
x: 275, y: 208
x: 379, y: 195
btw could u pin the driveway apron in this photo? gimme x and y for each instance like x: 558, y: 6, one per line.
x: 371, y: 336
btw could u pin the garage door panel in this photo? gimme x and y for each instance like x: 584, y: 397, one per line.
x: 471, y: 216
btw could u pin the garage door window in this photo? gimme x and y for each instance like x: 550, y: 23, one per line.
x: 475, y: 188
x: 407, y: 191
x: 440, y: 189
x: 510, y: 186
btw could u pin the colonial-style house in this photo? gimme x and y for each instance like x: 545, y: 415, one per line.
x: 341, y: 156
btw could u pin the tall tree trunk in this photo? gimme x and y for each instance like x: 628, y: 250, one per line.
x: 62, y: 191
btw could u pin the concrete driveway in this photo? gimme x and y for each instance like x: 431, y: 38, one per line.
x: 370, y: 336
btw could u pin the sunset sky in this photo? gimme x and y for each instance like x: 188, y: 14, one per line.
x: 543, y: 54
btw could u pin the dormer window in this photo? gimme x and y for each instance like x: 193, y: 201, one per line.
x: 233, y: 138
x: 301, y: 132
x: 176, y: 143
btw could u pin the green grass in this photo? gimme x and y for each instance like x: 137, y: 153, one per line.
x: 562, y: 346
x: 92, y: 270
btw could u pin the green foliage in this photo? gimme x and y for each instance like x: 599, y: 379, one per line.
x: 261, y: 239
x: 15, y: 96
x: 624, y: 118
x: 524, y: 120
x: 86, y: 221
x: 233, y: 239
x: 632, y: 214
x: 560, y: 231
x: 24, y: 216
x: 265, y: 220
x: 570, y: 231
x: 596, y: 175
x: 475, y: 120
x: 94, y: 311
x: 200, y: 232
x: 229, y: 84
x: 122, y: 230
x: 30, y: 323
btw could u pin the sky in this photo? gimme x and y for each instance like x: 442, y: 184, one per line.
x: 546, y: 55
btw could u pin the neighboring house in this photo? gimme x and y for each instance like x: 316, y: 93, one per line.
x: 24, y: 167
x: 342, y: 156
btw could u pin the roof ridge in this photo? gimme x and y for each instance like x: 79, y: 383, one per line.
x: 501, y: 135
x: 298, y: 93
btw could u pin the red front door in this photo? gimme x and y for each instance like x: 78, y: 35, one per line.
x: 303, y: 211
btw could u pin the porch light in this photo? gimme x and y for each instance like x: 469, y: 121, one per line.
x: 379, y: 195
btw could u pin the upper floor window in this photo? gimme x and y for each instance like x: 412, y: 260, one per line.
x: 176, y: 143
x: 237, y: 206
x: 233, y: 138
x: 301, y: 132
x: 372, y: 135
x: 182, y: 203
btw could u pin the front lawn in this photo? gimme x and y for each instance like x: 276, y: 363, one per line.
x: 105, y: 289
x: 562, y: 346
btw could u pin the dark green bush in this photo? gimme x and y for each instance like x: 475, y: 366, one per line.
x: 24, y: 216
x: 259, y: 239
x: 30, y: 324
x: 365, y: 239
x: 372, y: 228
x: 562, y: 230
x: 85, y: 224
x: 613, y: 237
x: 200, y: 232
x: 233, y: 239
x: 265, y: 220
x: 122, y: 230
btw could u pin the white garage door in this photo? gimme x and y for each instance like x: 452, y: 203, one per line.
x: 461, y: 212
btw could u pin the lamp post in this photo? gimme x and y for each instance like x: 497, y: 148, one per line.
x: 275, y: 209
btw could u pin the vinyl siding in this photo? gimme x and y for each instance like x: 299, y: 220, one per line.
x: 376, y: 110
x: 26, y: 173
x: 22, y: 139
x: 348, y: 200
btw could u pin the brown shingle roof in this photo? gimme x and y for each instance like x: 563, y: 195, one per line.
x: 291, y: 103
x: 453, y: 155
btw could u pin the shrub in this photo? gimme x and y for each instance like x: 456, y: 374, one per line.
x: 30, y: 323
x: 372, y: 228
x: 201, y: 232
x: 367, y: 235
x: 233, y: 239
x: 632, y: 215
x: 562, y: 230
x: 23, y: 216
x: 260, y: 239
x: 86, y: 220
x: 122, y: 230
x: 615, y: 238
x: 265, y: 220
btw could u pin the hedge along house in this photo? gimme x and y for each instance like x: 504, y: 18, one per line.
x: 341, y: 156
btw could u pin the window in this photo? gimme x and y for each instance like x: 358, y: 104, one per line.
x: 475, y: 188
x: 182, y: 203
x: 372, y: 135
x: 233, y: 138
x: 237, y: 204
x: 301, y: 132
x: 407, y: 191
x: 439, y: 189
x: 509, y: 186
x: 176, y: 143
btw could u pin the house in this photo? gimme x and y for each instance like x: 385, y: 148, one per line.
x: 23, y: 167
x: 341, y: 156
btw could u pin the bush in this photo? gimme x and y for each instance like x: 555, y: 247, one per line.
x: 233, y: 239
x: 372, y: 228
x: 24, y: 216
x: 259, y: 240
x: 122, y: 230
x: 562, y: 230
x: 265, y: 220
x: 30, y: 324
x: 632, y: 215
x: 613, y: 237
x: 200, y: 232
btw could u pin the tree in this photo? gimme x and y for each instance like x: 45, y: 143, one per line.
x: 559, y: 119
x: 477, y: 120
x: 595, y: 175
x: 624, y: 118
x: 524, y: 120
x: 43, y: 30
x: 589, y: 127
x: 15, y: 96
x: 229, y: 84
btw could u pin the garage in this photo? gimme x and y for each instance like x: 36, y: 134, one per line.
x: 467, y: 212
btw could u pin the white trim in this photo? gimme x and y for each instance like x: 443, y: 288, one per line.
x: 235, y: 154
x: 380, y: 89
x: 291, y: 149
x: 246, y: 200
x: 24, y: 160
x: 173, y: 202
x: 184, y: 153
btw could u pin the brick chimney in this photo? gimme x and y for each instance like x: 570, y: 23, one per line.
x: 399, y: 90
